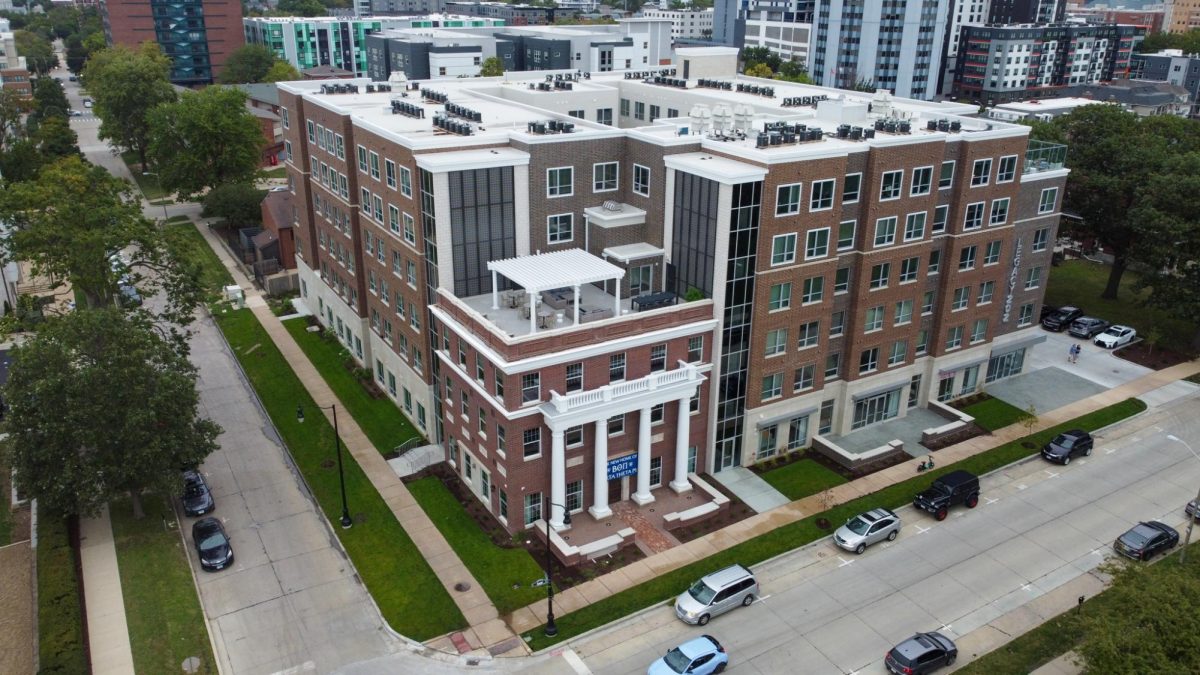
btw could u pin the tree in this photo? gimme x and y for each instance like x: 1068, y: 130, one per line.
x: 49, y: 100
x: 56, y: 138
x: 759, y: 70
x: 281, y: 71
x: 793, y: 71
x: 247, y: 64
x: 76, y: 53
x: 21, y: 161
x: 207, y: 138
x: 300, y: 8
x: 126, y: 85
x: 492, y: 67
x: 239, y: 204
x: 753, y: 55
x: 100, y: 405
x: 39, y: 54
x: 13, y: 107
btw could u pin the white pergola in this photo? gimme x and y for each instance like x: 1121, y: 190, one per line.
x: 571, y: 268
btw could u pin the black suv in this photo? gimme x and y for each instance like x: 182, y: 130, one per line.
x: 1061, y: 318
x: 1067, y: 445
x: 956, y: 487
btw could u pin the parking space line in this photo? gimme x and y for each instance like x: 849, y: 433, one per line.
x: 991, y: 500
x: 922, y: 530
x: 575, y: 662
x: 845, y: 562
x: 1050, y: 473
x: 1022, y: 486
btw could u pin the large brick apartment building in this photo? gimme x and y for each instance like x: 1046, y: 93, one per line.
x: 718, y: 281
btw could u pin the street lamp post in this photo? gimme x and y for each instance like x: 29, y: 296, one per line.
x: 1187, y: 537
x: 551, y: 627
x: 337, y: 442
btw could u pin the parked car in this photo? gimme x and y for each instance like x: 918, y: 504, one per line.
x: 72, y: 78
x: 867, y: 528
x: 1145, y: 540
x: 87, y: 104
x: 1190, y: 509
x: 1116, y: 336
x: 197, y: 498
x: 701, y: 656
x: 920, y: 654
x: 1061, y: 318
x: 1087, y: 327
x: 1068, y: 444
x: 129, y: 296
x: 1047, y: 310
x: 75, y: 113
x: 715, y: 594
x: 212, y: 544
x: 956, y: 487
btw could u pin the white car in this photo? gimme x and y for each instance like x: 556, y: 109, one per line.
x: 1116, y: 336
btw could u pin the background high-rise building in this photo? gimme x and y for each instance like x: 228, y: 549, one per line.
x: 197, y: 35
x: 1027, y: 11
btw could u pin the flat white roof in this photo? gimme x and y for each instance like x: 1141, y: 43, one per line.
x: 1048, y: 104
x: 632, y: 251
x: 558, y: 269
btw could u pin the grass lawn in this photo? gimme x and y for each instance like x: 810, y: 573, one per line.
x: 166, y: 624
x: 993, y: 414
x: 149, y: 185
x: 178, y: 219
x: 189, y: 245
x: 796, y: 534
x: 60, y: 619
x: 277, y: 172
x: 408, y: 593
x: 496, y: 569
x: 801, y: 479
x: 1080, y: 283
x: 379, y: 418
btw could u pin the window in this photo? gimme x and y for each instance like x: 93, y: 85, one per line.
x: 560, y: 228
x: 695, y: 349
x: 837, y: 323
x: 885, y: 231
x: 776, y: 342
x: 405, y: 181
x: 533, y: 508
x: 604, y: 116
x: 573, y: 436
x: 655, y: 471
x: 362, y: 159
x: 641, y: 180
x: 851, y: 187
x: 574, y: 377
x: 817, y: 244
x: 946, y: 178
x: 914, y: 226
x: 868, y: 361
x: 954, y: 338
x: 604, y: 176
x: 503, y: 505
x: 940, y: 215
x: 810, y: 333
x: 1007, y: 169
x: 341, y: 147
x: 898, y: 353
x: 846, y: 235
x: 821, y: 198
x: 880, y: 274
x: 531, y: 442
x: 1025, y: 317
x: 908, y: 269
x: 804, y: 377
x: 393, y: 222
x: 927, y: 303
x: 893, y: 182
x: 833, y: 366
x: 981, y: 172
x: 781, y: 296
x: 531, y: 388
x: 658, y: 413
x: 287, y: 148
x: 922, y: 180
x: 873, y: 319
x: 922, y: 343
x: 390, y: 173
x: 825, y: 420
x: 772, y: 386
x: 639, y: 110
x: 935, y: 262
x: 992, y: 253
x: 410, y: 230
x: 966, y: 258
x: 624, y: 107
x: 375, y: 165
x: 986, y: 290
x: 961, y: 298
x: 560, y: 182
x: 658, y: 358
x: 499, y: 384
x: 312, y: 132
x: 574, y: 496
x: 1048, y: 200
x: 904, y: 310
x: 365, y: 200
x: 616, y: 367
x: 787, y: 200
x: 616, y: 425
x: 999, y: 211
x: 974, y: 217
x: 1033, y: 278
x: 814, y: 290
x: 979, y: 330
x: 783, y: 249
x: 841, y: 280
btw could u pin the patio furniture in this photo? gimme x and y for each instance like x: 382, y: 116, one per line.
x: 543, y: 316
x: 587, y: 314
x: 513, y: 298
x: 524, y: 311
x: 647, y: 301
x: 559, y: 298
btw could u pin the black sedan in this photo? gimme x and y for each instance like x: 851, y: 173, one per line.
x: 1145, y: 540
x: 1061, y: 318
x: 1068, y: 444
x: 197, y: 498
x: 212, y: 544
x: 920, y: 654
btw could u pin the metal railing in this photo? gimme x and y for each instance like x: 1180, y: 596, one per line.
x: 1043, y: 156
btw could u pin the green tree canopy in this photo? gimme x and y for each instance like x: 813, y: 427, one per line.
x: 49, y: 100
x: 126, y: 86
x: 21, y: 161
x: 793, y: 71
x: 207, y: 138
x: 39, y: 54
x: 300, y: 8
x: 13, y: 107
x: 759, y: 70
x: 240, y: 204
x: 56, y: 138
x: 492, y: 67
x: 281, y: 71
x: 247, y: 64
x: 100, y: 405
x: 755, y: 55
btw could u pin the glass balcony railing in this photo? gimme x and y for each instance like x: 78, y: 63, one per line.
x: 1044, y: 156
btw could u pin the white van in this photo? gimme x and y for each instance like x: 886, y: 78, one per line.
x: 715, y: 594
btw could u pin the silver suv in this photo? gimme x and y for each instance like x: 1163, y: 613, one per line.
x: 867, y: 528
x: 715, y: 594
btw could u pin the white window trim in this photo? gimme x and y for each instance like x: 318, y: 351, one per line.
x: 1016, y: 161
x: 924, y: 227
x: 875, y: 235
x: 570, y: 185
x: 983, y: 216
x: 799, y: 199
x: 913, y: 183
x: 560, y: 241
x: 795, y: 241
x: 828, y: 234
x: 858, y: 197
x: 851, y: 246
x: 953, y: 171
x: 812, y: 191
x: 987, y: 180
x: 633, y: 179
x: 616, y: 182
x: 992, y: 211
x: 883, y: 183
x: 1042, y: 198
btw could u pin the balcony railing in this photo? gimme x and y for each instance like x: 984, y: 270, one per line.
x: 1042, y: 156
x: 610, y: 392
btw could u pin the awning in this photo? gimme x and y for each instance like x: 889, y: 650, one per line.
x: 630, y: 252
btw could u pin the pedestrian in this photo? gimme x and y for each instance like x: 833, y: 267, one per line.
x: 1071, y: 354
x: 1078, y: 348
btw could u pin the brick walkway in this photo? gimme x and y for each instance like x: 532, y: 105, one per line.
x: 576, y: 597
x: 486, y: 627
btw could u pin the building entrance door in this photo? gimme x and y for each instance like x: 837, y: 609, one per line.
x: 614, y: 490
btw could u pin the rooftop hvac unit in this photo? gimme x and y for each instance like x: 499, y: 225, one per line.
x: 743, y: 117
x: 701, y: 118
x: 722, y: 118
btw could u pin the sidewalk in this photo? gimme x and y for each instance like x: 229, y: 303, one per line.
x: 108, y: 635
x: 584, y: 594
x: 486, y: 628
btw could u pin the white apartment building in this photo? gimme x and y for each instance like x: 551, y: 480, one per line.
x: 685, y: 23
x: 784, y: 33
x: 963, y: 13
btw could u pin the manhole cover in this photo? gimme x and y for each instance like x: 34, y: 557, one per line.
x: 191, y: 664
x: 462, y: 587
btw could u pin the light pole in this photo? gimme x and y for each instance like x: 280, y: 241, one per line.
x: 337, y: 442
x: 164, y: 205
x: 1187, y: 537
x: 551, y: 627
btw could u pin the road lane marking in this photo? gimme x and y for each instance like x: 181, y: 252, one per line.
x: 575, y: 662
x: 1109, y: 451
x: 922, y: 530
x: 1027, y: 587
x: 990, y: 500
x: 307, y: 666
x: 844, y: 561
x: 1050, y: 473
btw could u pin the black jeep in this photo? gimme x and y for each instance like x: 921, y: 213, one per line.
x: 956, y: 487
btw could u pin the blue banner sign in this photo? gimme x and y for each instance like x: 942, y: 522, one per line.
x: 622, y: 466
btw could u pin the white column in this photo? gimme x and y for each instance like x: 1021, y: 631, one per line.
x: 532, y: 312
x: 599, y: 509
x: 576, y: 304
x: 682, y: 436
x: 643, y: 496
x: 495, y: 291
x: 558, y: 478
x: 617, y: 298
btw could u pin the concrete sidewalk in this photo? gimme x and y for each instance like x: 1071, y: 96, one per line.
x: 108, y: 634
